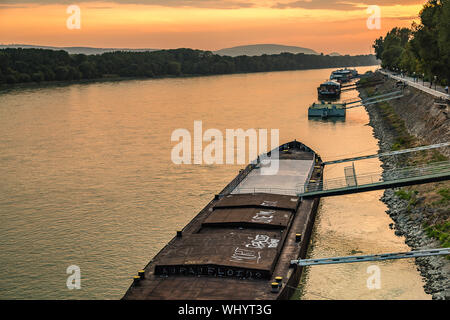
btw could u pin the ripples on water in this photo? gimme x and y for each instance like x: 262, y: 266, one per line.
x: 87, y: 180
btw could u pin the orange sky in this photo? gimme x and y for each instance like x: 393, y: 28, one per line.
x: 322, y: 25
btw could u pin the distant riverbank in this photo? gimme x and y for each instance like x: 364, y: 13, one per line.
x: 19, y: 66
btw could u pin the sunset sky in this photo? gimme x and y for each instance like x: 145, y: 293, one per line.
x: 323, y: 25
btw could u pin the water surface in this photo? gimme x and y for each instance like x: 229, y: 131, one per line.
x: 87, y: 180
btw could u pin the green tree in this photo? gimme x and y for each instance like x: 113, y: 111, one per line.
x: 38, y: 76
x: 87, y: 70
x: 425, y: 48
x: 378, y: 46
x: 10, y: 78
x: 174, y: 68
x: 61, y: 73
x: 444, y: 41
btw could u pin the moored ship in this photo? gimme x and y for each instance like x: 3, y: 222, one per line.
x: 344, y: 75
x: 329, y: 89
x: 241, y: 244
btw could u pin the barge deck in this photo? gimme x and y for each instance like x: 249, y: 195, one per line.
x: 241, y: 244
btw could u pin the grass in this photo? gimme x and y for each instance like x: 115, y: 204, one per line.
x: 426, y: 157
x: 364, y: 80
x: 403, y: 138
x: 440, y: 232
x: 408, y: 195
x: 445, y: 197
x: 437, y: 156
x: 405, y: 194
x: 370, y: 92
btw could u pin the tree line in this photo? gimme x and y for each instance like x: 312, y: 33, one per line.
x: 36, y: 65
x: 422, y: 50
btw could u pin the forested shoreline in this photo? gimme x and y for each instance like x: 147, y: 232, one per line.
x: 422, y: 50
x: 38, y: 65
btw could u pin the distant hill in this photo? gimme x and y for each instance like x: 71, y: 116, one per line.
x: 74, y: 50
x: 260, y: 49
x: 250, y: 50
x: 334, y: 54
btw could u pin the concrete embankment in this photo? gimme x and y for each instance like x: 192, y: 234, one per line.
x: 421, y: 213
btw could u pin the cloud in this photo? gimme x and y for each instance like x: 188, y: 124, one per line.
x: 6, y: 6
x: 340, y: 4
x: 99, y: 7
x: 214, y: 4
x: 343, y: 5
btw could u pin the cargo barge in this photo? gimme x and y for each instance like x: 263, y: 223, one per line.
x: 239, y: 247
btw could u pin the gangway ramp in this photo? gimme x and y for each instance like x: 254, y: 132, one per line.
x: 352, y: 101
x: 375, y: 99
x: 374, y: 257
x: 393, y: 178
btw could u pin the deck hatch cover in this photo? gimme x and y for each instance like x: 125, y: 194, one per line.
x: 264, y: 218
x: 259, y: 200
x: 252, y: 254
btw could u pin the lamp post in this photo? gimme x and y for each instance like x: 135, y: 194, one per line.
x: 435, y: 82
x: 423, y: 79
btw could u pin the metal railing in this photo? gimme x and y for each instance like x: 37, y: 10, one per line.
x: 390, y: 153
x: 376, y: 177
x: 274, y: 190
x: 373, y: 257
x: 417, y: 85
x: 369, y: 99
x: 237, y: 180
x: 360, y: 180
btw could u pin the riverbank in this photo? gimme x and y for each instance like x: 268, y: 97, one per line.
x: 5, y: 87
x: 38, y: 65
x: 420, y: 213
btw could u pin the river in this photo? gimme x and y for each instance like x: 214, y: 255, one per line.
x: 87, y: 180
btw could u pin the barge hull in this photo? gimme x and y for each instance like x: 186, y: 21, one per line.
x: 230, y: 250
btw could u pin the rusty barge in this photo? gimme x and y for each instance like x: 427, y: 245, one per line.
x: 239, y: 247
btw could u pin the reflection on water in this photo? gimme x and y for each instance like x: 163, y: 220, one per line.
x: 328, y: 119
x: 87, y: 180
x: 357, y: 225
